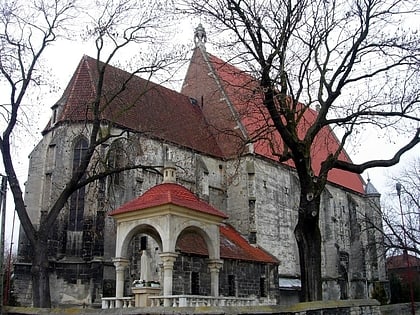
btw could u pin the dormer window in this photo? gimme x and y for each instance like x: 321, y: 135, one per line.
x: 54, y: 114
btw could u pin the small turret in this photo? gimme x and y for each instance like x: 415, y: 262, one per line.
x: 169, y: 172
x: 370, y: 189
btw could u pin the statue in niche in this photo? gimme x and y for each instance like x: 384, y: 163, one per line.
x: 145, y: 270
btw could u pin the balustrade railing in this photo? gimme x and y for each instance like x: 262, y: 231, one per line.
x: 200, y: 300
x: 114, y: 302
x: 180, y: 301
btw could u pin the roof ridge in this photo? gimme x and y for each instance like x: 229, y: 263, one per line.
x: 86, y: 60
x: 230, y: 105
x: 170, y: 199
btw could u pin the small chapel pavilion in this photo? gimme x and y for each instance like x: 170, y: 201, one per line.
x: 166, y: 212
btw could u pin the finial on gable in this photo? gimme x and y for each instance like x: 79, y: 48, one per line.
x: 200, y: 37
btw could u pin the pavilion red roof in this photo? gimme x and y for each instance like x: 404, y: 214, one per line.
x: 400, y: 261
x: 232, y: 246
x: 168, y: 193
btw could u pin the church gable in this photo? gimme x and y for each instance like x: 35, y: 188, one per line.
x: 142, y: 106
x: 204, y: 87
x: 242, y: 106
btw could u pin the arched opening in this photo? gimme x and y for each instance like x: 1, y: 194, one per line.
x: 142, y: 247
x: 144, y: 266
x: 193, y: 258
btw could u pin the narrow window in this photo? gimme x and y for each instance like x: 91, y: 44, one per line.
x: 231, y: 285
x: 115, y: 161
x: 195, y: 283
x: 205, y: 184
x: 251, y: 185
x: 47, y: 192
x: 54, y: 114
x: 263, y: 292
x: 77, y: 199
x: 143, y: 243
x: 50, y: 158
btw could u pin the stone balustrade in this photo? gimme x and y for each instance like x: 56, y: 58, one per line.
x: 200, y: 300
x: 180, y: 301
x: 114, y: 302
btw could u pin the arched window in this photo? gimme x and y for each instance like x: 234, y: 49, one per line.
x: 77, y: 199
x: 116, y: 160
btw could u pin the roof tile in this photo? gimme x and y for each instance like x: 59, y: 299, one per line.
x: 232, y: 246
x: 168, y: 193
x: 242, y: 91
x: 141, y: 106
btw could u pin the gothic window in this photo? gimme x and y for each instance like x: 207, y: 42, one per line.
x: 116, y: 160
x: 77, y: 199
x: 343, y: 276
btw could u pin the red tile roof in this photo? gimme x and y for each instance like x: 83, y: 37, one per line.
x: 142, y: 106
x: 240, y: 88
x: 232, y: 246
x: 168, y: 193
x: 400, y: 261
x: 208, y: 126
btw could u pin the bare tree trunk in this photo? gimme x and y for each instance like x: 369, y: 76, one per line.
x: 40, y: 276
x: 308, y: 237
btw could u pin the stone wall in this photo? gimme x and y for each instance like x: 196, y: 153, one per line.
x: 259, y: 196
x: 236, y: 278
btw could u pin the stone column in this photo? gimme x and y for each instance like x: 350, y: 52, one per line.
x: 120, y: 264
x: 215, y: 265
x: 168, y: 260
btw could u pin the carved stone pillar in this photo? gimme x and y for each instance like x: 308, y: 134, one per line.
x: 120, y: 264
x: 215, y: 265
x: 168, y: 260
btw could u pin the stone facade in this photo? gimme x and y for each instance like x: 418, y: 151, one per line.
x: 258, y: 194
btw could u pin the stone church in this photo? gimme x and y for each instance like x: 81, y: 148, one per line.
x: 207, y: 131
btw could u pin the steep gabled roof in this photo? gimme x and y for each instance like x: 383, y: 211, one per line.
x: 168, y: 193
x: 224, y: 113
x: 234, y: 93
x: 141, y: 106
x: 232, y: 246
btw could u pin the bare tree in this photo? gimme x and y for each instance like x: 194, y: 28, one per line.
x: 351, y: 60
x: 401, y: 211
x: 26, y: 31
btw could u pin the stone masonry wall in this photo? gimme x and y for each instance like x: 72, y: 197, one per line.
x: 246, y: 278
x: 259, y: 196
